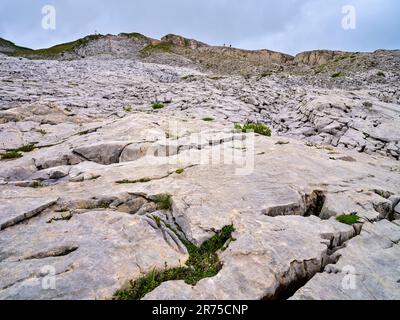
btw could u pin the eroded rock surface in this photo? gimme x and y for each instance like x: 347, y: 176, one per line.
x: 94, y: 142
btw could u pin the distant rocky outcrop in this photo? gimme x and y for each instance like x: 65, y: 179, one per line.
x: 176, y: 50
x: 183, y: 42
x: 316, y: 57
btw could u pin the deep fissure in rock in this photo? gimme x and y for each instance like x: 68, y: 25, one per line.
x: 314, y: 203
x: 304, y: 271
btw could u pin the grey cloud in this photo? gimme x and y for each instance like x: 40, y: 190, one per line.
x: 290, y: 26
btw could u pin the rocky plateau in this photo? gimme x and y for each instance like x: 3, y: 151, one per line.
x: 93, y: 133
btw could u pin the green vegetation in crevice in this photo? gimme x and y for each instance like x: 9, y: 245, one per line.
x: 280, y: 142
x: 203, y: 263
x: 254, y: 127
x: 157, y: 220
x: 337, y: 74
x: 127, y: 181
x: 26, y: 148
x: 180, y: 171
x: 349, y: 219
x: 16, y: 153
x: 163, y: 201
x: 36, y: 184
x: 208, y: 119
x: 381, y: 74
x: 11, y: 155
x: 157, y: 105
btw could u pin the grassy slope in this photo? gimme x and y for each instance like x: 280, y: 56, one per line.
x: 58, y: 49
x: 11, y: 45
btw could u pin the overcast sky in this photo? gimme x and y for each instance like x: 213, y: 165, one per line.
x: 289, y: 26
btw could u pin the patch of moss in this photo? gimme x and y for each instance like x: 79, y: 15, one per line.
x: 254, y: 127
x: 180, y: 171
x: 349, y: 219
x: 157, y: 105
x: 203, y: 263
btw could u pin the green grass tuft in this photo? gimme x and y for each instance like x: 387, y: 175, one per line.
x: 163, y: 201
x: 26, y: 148
x: 349, y: 219
x: 12, y: 154
x: 203, y: 263
x: 157, y: 105
x: 254, y: 127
